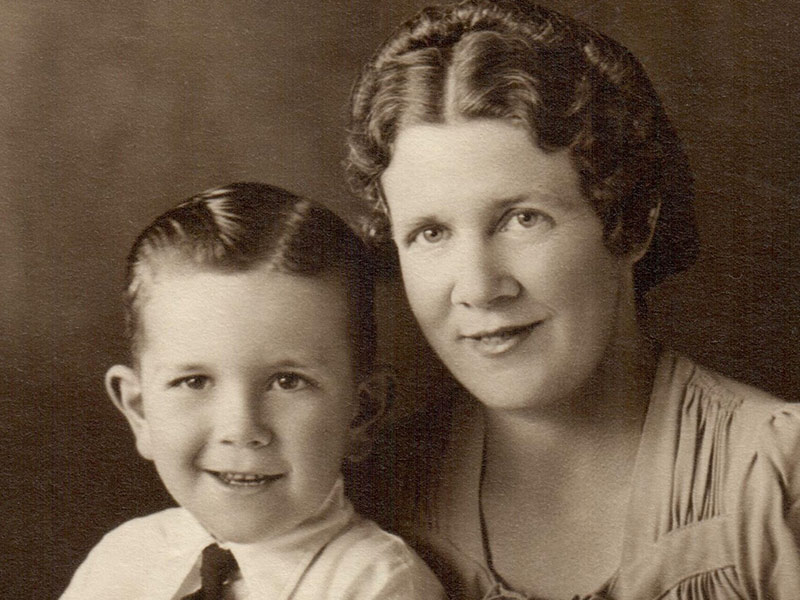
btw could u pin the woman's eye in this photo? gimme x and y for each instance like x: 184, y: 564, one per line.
x: 525, y: 219
x: 289, y: 382
x: 431, y: 235
x: 194, y: 382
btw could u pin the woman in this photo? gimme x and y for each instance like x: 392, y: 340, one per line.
x: 534, y: 190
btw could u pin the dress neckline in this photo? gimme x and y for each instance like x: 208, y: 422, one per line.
x: 501, y: 590
x: 665, y: 365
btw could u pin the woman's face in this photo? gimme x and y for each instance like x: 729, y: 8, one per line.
x: 503, y: 261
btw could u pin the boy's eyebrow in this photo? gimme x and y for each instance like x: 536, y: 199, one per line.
x: 314, y: 359
x: 181, y: 367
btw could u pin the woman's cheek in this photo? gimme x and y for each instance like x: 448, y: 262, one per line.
x: 423, y: 277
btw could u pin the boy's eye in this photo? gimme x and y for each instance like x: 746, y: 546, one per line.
x: 289, y: 382
x: 193, y: 382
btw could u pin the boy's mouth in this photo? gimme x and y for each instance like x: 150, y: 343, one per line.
x: 244, y: 479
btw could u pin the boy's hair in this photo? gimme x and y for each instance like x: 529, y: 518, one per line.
x: 569, y: 85
x: 243, y: 226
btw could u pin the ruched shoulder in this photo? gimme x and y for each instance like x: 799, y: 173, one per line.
x: 715, y: 508
x: 714, y: 512
x: 768, y: 508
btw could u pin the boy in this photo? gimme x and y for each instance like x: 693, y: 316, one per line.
x: 249, y: 313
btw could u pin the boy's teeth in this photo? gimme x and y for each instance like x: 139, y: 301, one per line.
x: 242, y: 478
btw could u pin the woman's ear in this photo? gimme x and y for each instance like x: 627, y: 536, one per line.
x: 652, y: 220
x: 124, y: 388
x: 374, y: 397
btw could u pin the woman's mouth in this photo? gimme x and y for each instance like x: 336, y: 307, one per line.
x: 498, y: 341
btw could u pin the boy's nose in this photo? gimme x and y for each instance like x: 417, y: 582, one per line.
x: 240, y: 422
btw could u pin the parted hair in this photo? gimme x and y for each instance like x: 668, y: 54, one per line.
x: 243, y: 226
x: 571, y: 86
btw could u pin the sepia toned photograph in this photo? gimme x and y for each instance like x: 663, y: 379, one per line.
x: 400, y: 299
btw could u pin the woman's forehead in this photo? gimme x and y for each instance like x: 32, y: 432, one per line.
x: 456, y: 152
x: 472, y: 164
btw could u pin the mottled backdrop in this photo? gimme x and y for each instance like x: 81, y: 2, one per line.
x: 110, y: 112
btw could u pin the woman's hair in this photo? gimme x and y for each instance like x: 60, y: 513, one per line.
x: 243, y: 226
x: 571, y: 86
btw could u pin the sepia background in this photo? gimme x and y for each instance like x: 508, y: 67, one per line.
x: 111, y: 112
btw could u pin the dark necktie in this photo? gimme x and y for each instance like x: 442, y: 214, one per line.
x: 216, y: 569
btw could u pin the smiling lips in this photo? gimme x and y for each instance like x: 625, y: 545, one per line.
x: 498, y: 341
x: 235, y: 479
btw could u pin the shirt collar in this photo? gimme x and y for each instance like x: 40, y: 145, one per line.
x: 186, y: 540
x: 272, y: 568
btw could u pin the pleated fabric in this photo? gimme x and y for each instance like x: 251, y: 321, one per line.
x: 714, y: 513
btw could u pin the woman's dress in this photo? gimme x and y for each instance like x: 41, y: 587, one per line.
x: 714, y: 513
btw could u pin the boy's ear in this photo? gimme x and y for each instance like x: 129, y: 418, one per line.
x: 374, y: 397
x: 125, y: 390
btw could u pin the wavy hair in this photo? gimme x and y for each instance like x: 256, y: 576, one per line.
x: 571, y: 86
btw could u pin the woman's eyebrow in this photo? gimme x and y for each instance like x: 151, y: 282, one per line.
x: 510, y: 201
x: 491, y: 205
x: 414, y: 223
x: 310, y: 360
x: 538, y: 196
x: 501, y: 204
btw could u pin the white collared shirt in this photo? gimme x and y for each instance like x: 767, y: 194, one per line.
x: 336, y: 554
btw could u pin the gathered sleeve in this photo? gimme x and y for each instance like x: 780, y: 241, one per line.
x: 715, y: 511
x: 769, y: 510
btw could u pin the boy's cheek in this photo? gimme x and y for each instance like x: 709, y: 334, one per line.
x: 144, y: 442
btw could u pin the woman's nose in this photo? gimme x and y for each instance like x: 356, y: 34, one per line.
x: 481, y: 276
x: 240, y: 422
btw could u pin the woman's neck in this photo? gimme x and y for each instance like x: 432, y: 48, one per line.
x: 601, y: 421
x: 569, y: 471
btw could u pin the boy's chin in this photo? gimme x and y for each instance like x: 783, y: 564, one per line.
x: 249, y: 533
x: 252, y: 521
x: 244, y: 530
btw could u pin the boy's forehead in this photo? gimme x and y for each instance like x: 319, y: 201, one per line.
x: 235, y: 322
x: 184, y: 272
x: 199, y: 296
x: 174, y: 263
x: 204, y: 295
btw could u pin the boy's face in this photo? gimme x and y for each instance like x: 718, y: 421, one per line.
x: 246, y: 395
